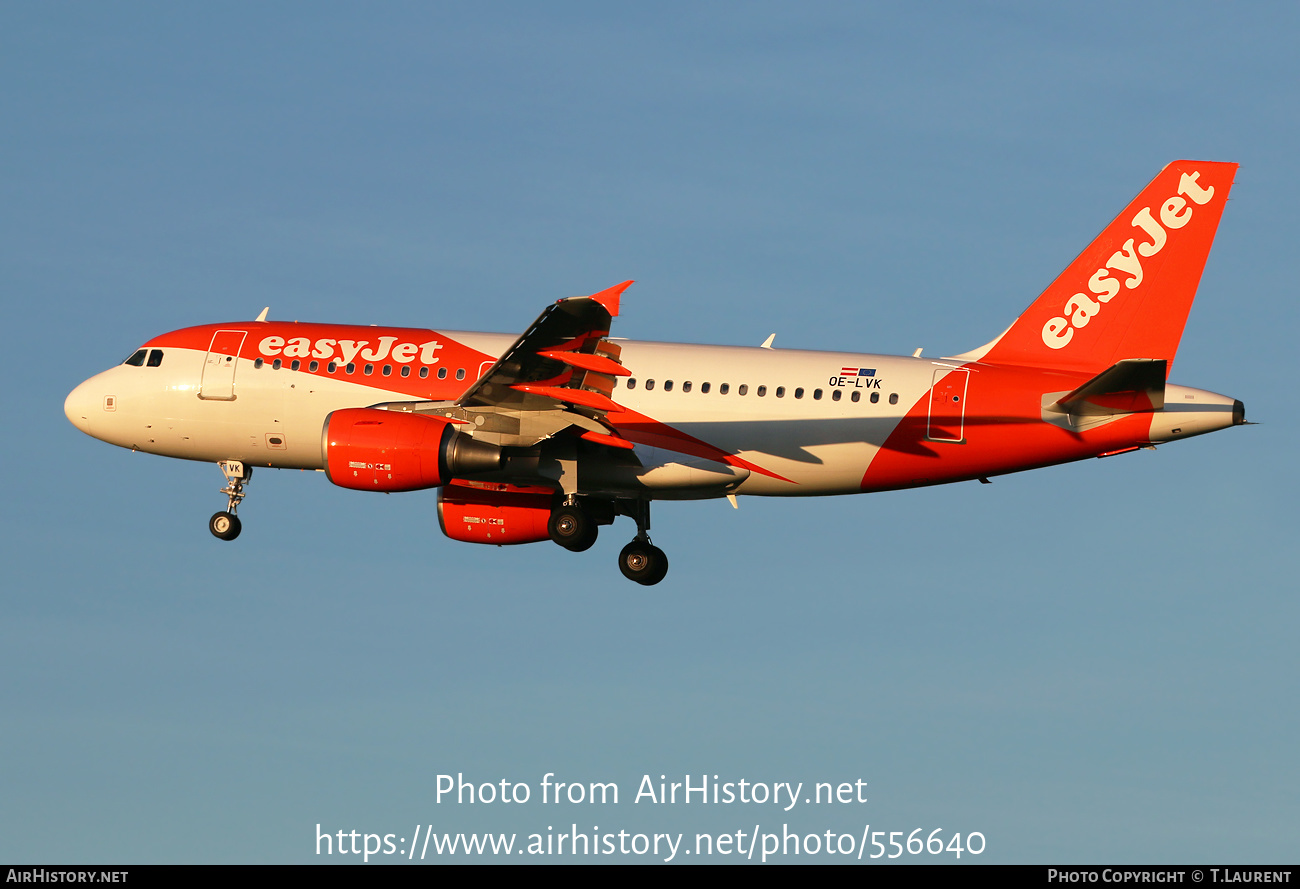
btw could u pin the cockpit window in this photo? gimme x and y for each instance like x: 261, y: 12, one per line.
x: 155, y: 357
x: 137, y: 360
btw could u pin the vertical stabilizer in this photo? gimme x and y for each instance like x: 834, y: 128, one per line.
x: 1128, y: 294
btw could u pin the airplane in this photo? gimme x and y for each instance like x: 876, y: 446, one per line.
x: 554, y: 433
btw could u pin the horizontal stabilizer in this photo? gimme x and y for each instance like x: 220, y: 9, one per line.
x: 1130, y: 386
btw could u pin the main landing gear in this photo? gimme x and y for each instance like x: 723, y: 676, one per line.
x: 226, y: 525
x: 572, y: 527
x: 574, y: 524
x: 641, y: 560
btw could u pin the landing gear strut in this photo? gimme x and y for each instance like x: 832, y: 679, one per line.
x: 226, y: 525
x: 641, y: 560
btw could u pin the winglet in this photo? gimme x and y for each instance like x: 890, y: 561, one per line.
x: 609, y: 298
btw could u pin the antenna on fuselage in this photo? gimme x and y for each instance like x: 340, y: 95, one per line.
x: 767, y: 343
x: 262, y: 317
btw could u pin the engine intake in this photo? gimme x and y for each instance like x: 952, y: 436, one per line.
x: 375, y: 450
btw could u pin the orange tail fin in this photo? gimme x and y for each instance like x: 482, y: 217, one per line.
x: 1128, y: 294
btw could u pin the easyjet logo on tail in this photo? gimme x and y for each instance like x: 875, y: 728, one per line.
x: 1082, y: 307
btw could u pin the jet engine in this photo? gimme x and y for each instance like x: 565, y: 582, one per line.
x: 367, y: 449
x: 501, y: 514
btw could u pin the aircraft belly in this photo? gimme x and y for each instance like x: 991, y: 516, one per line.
x: 828, y: 469
x: 804, y: 458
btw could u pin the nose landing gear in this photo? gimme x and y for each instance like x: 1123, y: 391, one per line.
x: 226, y: 525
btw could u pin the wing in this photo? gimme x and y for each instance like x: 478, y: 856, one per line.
x: 559, y: 374
x: 558, y: 378
x: 562, y: 361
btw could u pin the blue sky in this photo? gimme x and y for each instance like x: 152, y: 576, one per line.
x: 1086, y: 663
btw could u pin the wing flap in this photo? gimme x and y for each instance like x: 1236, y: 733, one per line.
x: 598, y: 363
x: 583, y: 397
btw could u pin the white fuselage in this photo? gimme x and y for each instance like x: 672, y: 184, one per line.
x: 792, y: 413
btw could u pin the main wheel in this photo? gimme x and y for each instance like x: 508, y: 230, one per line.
x: 572, y: 528
x: 643, y: 562
x: 224, y: 525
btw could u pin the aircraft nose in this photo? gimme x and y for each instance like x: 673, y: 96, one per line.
x: 80, y: 406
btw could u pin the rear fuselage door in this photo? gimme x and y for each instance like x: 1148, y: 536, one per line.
x: 948, y: 404
x: 218, y: 382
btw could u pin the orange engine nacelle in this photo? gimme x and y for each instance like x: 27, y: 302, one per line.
x: 375, y: 450
x: 494, y: 513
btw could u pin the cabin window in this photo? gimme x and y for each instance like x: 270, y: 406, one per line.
x: 406, y: 370
x: 368, y: 369
x: 424, y: 372
x: 837, y: 395
x: 332, y: 366
x: 631, y: 382
x: 276, y: 364
x: 155, y: 357
x: 817, y: 394
x: 388, y: 370
x: 649, y: 384
x: 137, y: 360
x: 442, y: 373
x: 704, y: 388
x: 257, y: 365
x: 314, y: 366
x: 855, y: 396
x: 460, y: 373
x: 686, y: 387
x: 762, y: 390
x: 724, y: 388
x: 780, y: 392
x: 295, y: 365
x: 743, y: 390
x: 875, y: 396
x: 668, y: 385
x: 351, y: 367
x: 893, y: 398
x: 798, y: 393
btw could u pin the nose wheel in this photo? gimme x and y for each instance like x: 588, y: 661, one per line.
x: 226, y: 525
